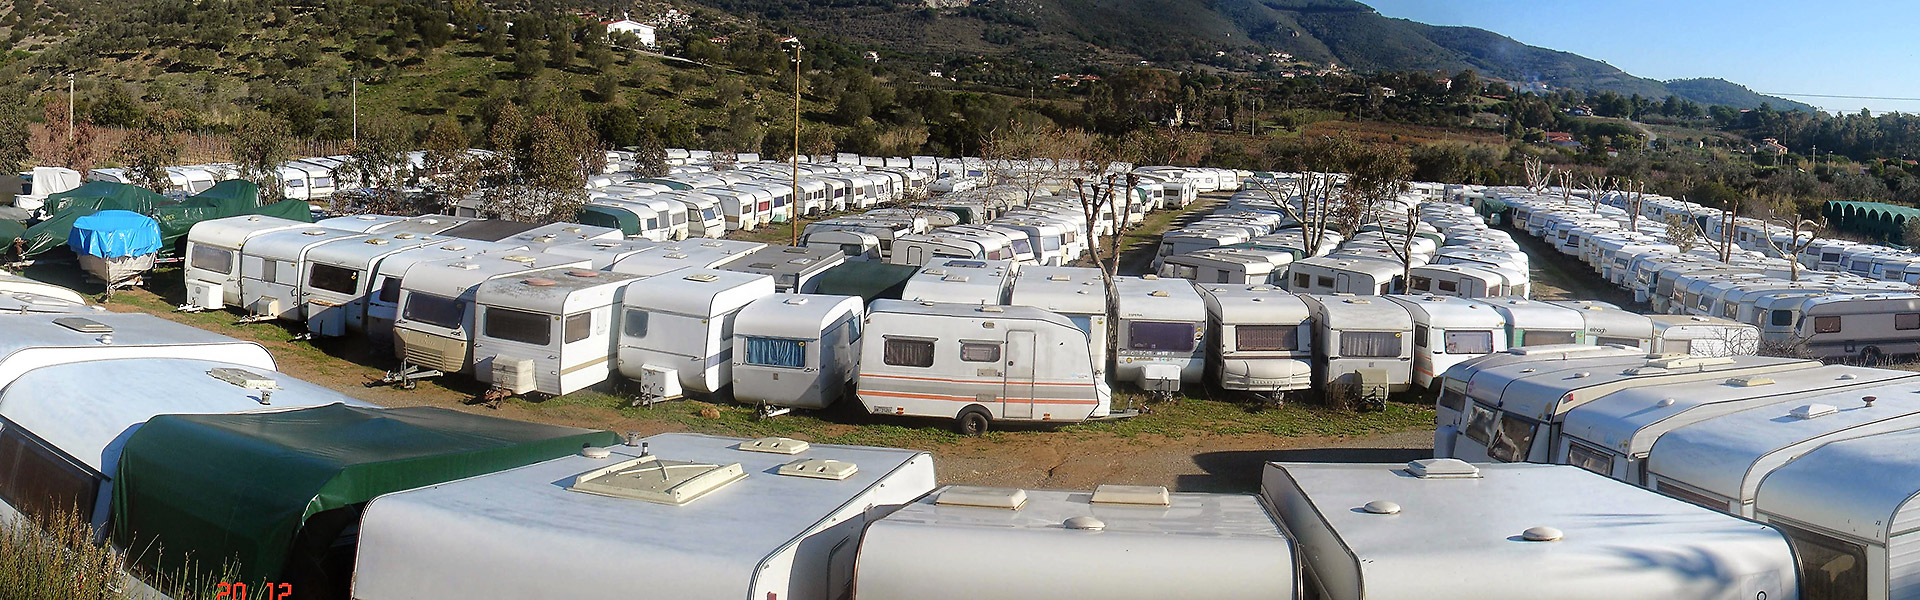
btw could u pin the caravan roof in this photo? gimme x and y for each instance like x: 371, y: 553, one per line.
x: 1179, y: 545
x: 704, y: 254
x: 797, y: 316
x: 1067, y: 290
x: 1253, y: 305
x: 962, y: 280
x: 1152, y: 298
x: 1878, y: 473
x: 519, y: 533
x: 551, y: 291
x: 603, y: 253
x: 1628, y: 421
x: 34, y: 341
x: 788, y: 265
x: 86, y: 409
x: 1383, y: 532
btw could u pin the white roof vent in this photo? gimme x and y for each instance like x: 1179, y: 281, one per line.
x: 1158, y: 293
x: 702, y: 277
x: 595, y: 453
x: 1686, y: 361
x: 377, y: 241
x: 1755, y: 381
x: 519, y: 258
x: 983, y: 497
x: 1644, y: 371
x: 1381, y: 507
x: 1813, y: 411
x: 1084, y: 523
x: 1847, y: 377
x: 1442, y: 468
x: 796, y: 301
x: 654, y: 480
x: 83, y: 325
x: 1541, y: 534
x: 775, y: 445
x: 1145, y: 495
x: 1666, y: 402
x: 1059, y: 278
x: 819, y: 468
x: 674, y: 255
x: 955, y: 278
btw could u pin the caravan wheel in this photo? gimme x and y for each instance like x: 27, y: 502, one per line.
x: 973, y: 420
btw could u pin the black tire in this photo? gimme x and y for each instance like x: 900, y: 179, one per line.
x: 1872, y: 356
x: 972, y: 420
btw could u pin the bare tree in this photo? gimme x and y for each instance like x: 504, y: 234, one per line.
x: 1781, y: 212
x: 1634, y: 200
x: 1681, y: 233
x: 1403, y: 247
x: 1537, y: 177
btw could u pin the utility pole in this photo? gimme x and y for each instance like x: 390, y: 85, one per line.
x: 69, y: 107
x: 793, y: 205
x: 356, y: 109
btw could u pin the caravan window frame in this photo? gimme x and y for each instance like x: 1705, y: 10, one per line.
x: 1804, y: 540
x: 970, y: 351
x: 1184, y: 343
x: 1820, y: 324
x: 578, y: 327
x: 1266, y: 338
x: 1451, y: 344
x: 48, y: 477
x: 455, y: 306
x: 1906, y: 321
x: 202, y: 257
x: 1481, y: 422
x: 634, y: 323
x: 1589, y: 457
x: 1372, y: 339
x: 518, y: 326
x: 333, y: 277
x: 750, y: 357
x: 1526, y: 335
x: 898, y: 351
x: 1513, y: 438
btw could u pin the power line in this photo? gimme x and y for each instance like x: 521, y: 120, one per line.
x: 1840, y: 96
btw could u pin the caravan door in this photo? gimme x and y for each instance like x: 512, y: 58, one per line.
x: 1343, y: 283
x: 1017, y: 399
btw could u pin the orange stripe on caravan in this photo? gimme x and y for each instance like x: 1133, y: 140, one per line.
x: 991, y: 381
x: 970, y: 398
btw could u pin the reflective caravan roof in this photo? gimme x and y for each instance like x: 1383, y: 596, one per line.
x: 1628, y: 421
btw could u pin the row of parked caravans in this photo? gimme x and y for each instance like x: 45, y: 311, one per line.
x: 1451, y: 253
x: 1823, y: 453
x: 1831, y: 304
x: 311, y: 179
x: 1045, y: 232
x: 484, y: 507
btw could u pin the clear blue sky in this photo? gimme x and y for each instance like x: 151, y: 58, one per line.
x: 1838, y: 47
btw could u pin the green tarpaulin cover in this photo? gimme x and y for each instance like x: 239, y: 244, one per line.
x: 217, y: 491
x: 105, y: 194
x: 867, y: 279
x: 605, y: 216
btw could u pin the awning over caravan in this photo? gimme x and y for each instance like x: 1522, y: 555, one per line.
x: 606, y: 216
x: 236, y: 488
x: 102, y: 195
x: 868, y: 280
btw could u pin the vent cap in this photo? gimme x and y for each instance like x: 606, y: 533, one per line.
x: 1813, y: 411
x: 83, y: 325
x: 1144, y: 495
x: 1381, y: 507
x: 819, y: 468
x: 983, y: 497
x: 244, y: 378
x: 1442, y: 468
x: 775, y: 445
x: 1755, y: 381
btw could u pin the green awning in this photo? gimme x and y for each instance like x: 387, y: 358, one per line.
x: 678, y: 185
x: 177, y: 220
x: 869, y: 280
x: 235, y: 193
x: 209, y: 492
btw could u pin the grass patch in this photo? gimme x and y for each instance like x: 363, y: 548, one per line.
x: 1202, y: 416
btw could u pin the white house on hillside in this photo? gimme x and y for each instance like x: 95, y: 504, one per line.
x: 638, y: 29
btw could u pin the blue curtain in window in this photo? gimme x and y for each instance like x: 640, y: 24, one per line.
x: 776, y: 353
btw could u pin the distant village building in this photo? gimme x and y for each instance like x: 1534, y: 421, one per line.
x: 1562, y: 139
x: 1771, y: 146
x: 872, y: 56
x: 948, y: 3
x: 636, y: 28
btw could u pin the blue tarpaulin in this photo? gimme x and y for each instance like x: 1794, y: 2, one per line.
x: 115, y: 233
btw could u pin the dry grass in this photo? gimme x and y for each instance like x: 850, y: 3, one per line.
x: 57, y: 559
x: 1398, y: 133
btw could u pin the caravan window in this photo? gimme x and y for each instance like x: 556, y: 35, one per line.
x: 1541, y: 338
x: 1452, y: 399
x: 339, y: 280
x: 907, y: 353
x: 980, y: 351
x: 1782, y: 318
x: 39, y: 481
x: 1511, y: 442
x: 390, y: 290
x: 1325, y: 281
x: 636, y: 322
x: 1267, y: 338
x: 1590, y: 458
x: 775, y: 352
x: 1302, y: 280
x: 438, y: 311
x: 1906, y: 321
x: 1447, y: 285
x: 212, y: 259
x: 1829, y: 568
x: 1469, y: 342
x: 1421, y: 284
x: 1369, y: 344
x: 517, y: 326
x: 1480, y: 421
x: 1826, y: 324
x: 579, y: 327
x: 1617, y: 341
x: 1420, y: 333
x: 1164, y: 337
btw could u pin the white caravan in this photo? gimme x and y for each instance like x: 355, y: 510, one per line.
x: 1343, y: 275
x: 1459, y: 280
x: 23, y: 287
x: 338, y: 279
x: 1222, y: 266
x: 1036, y: 543
x: 1867, y: 326
x: 1077, y: 293
x: 436, y: 322
x: 977, y: 364
x: 695, y: 517
x: 1604, y: 324
x: 271, y: 269
x: 1362, y: 345
x: 549, y: 331
x: 1703, y: 336
x: 1533, y: 323
x: 676, y: 331
x: 794, y: 270
x: 383, y: 298
x: 1413, y: 532
x: 701, y: 254
x: 961, y: 281
x: 1261, y: 339
x: 212, y: 268
x: 1512, y: 412
x: 1448, y: 330
x: 1163, y: 329
x: 796, y: 351
x: 602, y: 253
